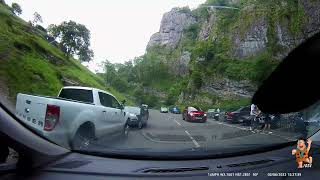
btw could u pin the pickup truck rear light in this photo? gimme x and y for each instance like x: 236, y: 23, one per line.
x: 52, y: 117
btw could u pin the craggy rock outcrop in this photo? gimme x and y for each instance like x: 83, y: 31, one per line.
x: 255, y: 39
x: 227, y: 87
x: 172, y: 25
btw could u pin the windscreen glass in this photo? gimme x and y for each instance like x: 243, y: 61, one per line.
x: 208, y: 55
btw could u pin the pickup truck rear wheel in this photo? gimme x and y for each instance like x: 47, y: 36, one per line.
x: 125, y: 131
x: 140, y: 124
x: 82, y: 139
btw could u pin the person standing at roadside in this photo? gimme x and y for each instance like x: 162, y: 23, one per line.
x: 267, y: 123
x: 254, y: 112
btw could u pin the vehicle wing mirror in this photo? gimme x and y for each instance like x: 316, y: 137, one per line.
x: 123, y: 102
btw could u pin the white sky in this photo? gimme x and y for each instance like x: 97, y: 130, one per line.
x: 120, y: 29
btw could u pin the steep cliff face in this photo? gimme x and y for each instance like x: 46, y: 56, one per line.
x: 252, y: 38
x: 172, y: 25
x: 256, y: 38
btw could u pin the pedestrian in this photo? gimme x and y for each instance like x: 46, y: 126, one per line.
x: 254, y: 112
x: 267, y: 123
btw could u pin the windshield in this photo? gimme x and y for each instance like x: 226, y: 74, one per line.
x: 134, y: 110
x: 112, y: 59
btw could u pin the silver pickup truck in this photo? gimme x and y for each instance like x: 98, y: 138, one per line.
x: 76, y: 117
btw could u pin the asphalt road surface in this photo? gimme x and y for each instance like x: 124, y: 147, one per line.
x: 166, y: 131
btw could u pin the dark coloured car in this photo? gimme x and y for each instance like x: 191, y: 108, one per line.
x: 239, y: 116
x: 138, y: 116
x: 175, y: 110
x: 193, y: 114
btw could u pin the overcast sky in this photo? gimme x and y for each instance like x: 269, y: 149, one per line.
x: 120, y: 29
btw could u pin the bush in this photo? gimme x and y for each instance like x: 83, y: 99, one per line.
x: 204, y: 49
x: 41, y: 28
x: 22, y: 47
x: 196, y: 78
x: 184, y: 10
x: 192, y: 31
x: 16, y: 8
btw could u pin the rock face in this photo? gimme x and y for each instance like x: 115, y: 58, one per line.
x: 182, y: 64
x: 255, y: 39
x: 247, y: 43
x: 207, y: 26
x: 172, y: 25
x: 230, y: 88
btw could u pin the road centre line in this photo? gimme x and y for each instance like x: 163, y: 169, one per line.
x: 189, y: 135
x: 192, y: 139
x: 177, y: 122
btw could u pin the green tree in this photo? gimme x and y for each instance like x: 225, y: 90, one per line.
x: 74, y: 38
x: 109, y: 72
x: 16, y: 9
x: 204, y: 49
x: 36, y: 19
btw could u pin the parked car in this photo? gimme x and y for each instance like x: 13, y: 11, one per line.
x: 164, y: 110
x: 214, y: 114
x: 76, y: 117
x: 175, y: 110
x: 211, y: 113
x: 137, y: 116
x: 239, y: 116
x: 193, y: 114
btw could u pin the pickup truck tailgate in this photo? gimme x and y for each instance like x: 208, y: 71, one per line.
x: 31, y: 110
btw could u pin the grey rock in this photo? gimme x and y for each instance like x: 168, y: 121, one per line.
x: 254, y: 41
x: 227, y: 87
x: 172, y: 25
x: 182, y: 64
x: 207, y: 26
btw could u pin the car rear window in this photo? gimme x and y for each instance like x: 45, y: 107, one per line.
x: 77, y: 95
x: 192, y: 109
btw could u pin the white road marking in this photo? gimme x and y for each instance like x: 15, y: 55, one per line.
x: 196, y: 143
x: 192, y: 139
x: 177, y: 122
x: 187, y: 133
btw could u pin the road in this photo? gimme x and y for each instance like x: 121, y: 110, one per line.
x: 168, y: 132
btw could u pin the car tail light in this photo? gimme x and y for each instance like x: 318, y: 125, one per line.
x: 52, y: 117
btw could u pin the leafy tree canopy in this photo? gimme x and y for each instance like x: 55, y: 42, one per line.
x: 74, y: 38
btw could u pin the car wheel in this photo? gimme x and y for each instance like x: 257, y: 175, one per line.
x: 81, y: 140
x: 140, y: 125
x: 125, y: 130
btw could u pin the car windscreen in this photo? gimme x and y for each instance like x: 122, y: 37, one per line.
x: 77, y: 95
x: 134, y: 110
x: 209, y: 55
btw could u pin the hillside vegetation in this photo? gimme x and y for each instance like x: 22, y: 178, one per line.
x: 219, y: 56
x: 30, y: 64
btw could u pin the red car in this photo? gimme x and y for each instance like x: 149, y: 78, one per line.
x: 193, y: 114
